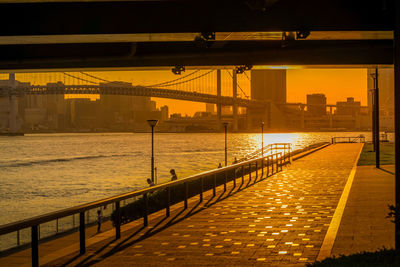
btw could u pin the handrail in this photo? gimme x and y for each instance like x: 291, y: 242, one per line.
x: 279, y: 159
x: 267, y: 149
x: 350, y: 139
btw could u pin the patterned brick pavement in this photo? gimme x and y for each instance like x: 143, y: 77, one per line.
x: 280, y: 221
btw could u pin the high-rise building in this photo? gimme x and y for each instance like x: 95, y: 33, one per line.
x: 316, y: 104
x: 164, y: 113
x: 210, y: 107
x: 350, y: 107
x: 269, y: 85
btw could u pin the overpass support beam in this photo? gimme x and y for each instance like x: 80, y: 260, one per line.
x: 235, y: 105
x: 219, y: 108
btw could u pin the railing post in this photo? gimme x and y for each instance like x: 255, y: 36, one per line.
x: 73, y: 220
x: 18, y: 238
x: 272, y: 165
x: 249, y: 172
x: 242, y: 174
x: 215, y: 184
x: 186, y: 194
x: 201, y: 188
x: 268, y: 163
x: 57, y: 225
x: 225, y: 180
x: 35, y: 246
x: 234, y: 178
x: 262, y: 168
x: 256, y: 171
x: 82, y: 232
x: 168, y: 201
x: 145, y: 210
x: 118, y: 223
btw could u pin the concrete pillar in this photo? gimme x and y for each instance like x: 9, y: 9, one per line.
x: 219, y: 108
x: 13, y: 105
x: 330, y: 117
x: 302, y: 114
x: 397, y: 118
x: 235, y: 106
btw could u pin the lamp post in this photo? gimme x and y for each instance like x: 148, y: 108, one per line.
x: 226, y: 142
x: 262, y: 139
x: 152, y: 124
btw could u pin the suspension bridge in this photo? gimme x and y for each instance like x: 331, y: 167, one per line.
x: 198, y: 86
x: 190, y: 87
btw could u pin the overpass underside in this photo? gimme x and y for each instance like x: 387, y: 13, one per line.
x: 43, y: 35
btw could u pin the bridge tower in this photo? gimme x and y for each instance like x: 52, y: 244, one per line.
x: 219, y: 108
x: 235, y: 105
x: 13, y: 105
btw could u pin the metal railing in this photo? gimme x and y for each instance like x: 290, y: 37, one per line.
x: 354, y: 139
x: 268, y: 149
x: 270, y: 164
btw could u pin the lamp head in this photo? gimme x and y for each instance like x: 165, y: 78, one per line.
x: 152, y: 123
x: 262, y: 124
x: 225, y: 124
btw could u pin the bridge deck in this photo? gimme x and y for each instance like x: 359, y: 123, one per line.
x: 282, y: 221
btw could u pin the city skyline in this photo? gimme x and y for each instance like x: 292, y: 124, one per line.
x: 300, y: 82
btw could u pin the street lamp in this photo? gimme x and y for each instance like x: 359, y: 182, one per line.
x: 226, y: 142
x: 152, y: 124
x: 262, y: 139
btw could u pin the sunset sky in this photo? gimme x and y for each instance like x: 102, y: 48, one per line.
x: 336, y: 84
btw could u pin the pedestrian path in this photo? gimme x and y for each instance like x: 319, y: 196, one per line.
x: 279, y: 221
x: 364, y: 225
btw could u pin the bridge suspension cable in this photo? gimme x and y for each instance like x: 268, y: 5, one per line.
x: 192, y: 79
x: 230, y: 74
x: 95, y: 77
x: 78, y: 78
x: 183, y: 77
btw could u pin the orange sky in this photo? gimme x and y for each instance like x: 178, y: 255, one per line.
x: 336, y: 84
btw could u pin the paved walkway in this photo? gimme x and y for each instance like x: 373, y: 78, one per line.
x: 364, y: 224
x: 281, y: 221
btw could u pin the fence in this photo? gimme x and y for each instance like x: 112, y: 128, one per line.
x: 356, y: 139
x: 270, y: 163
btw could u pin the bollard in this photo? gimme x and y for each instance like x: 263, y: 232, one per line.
x: 168, y: 201
x: 118, y: 223
x: 145, y: 210
x: 82, y: 232
x: 35, y: 246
